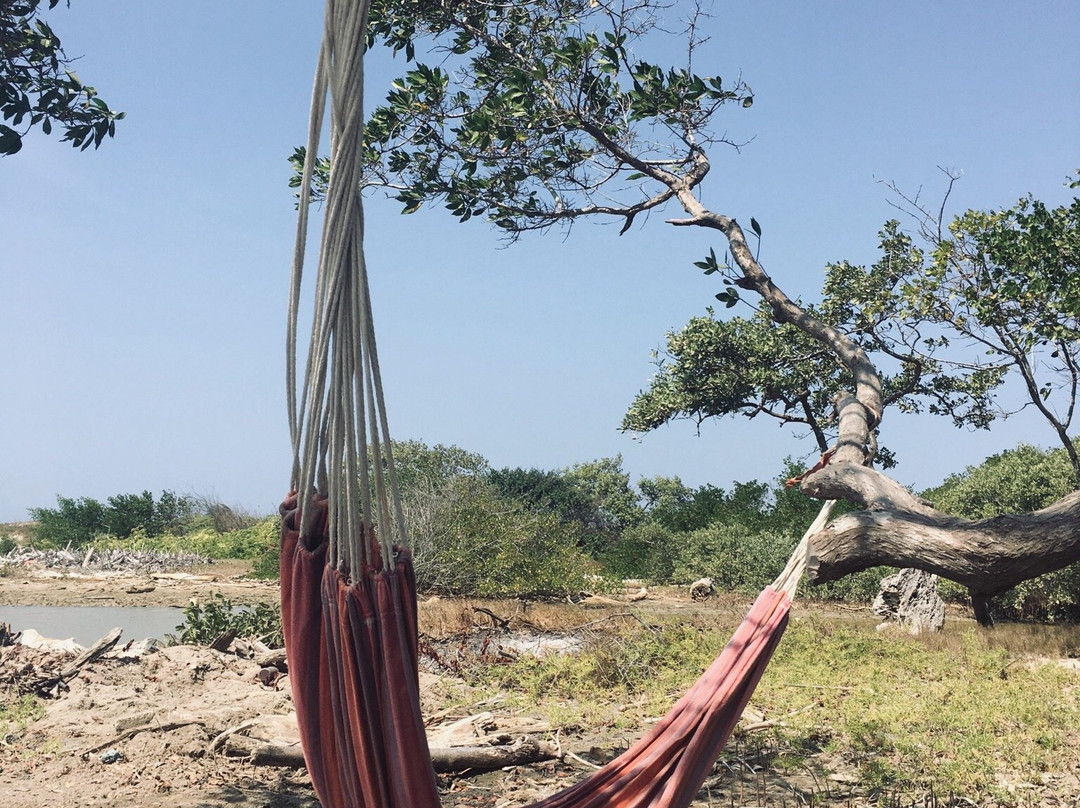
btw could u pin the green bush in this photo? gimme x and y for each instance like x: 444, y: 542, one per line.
x: 1017, y: 480
x: 467, y: 540
x: 644, y: 551
x: 267, y: 549
x: 204, y: 622
x: 258, y: 542
x: 859, y: 587
x: 78, y: 522
x: 736, y: 558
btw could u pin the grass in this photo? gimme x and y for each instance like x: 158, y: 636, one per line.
x: 965, y: 712
x: 16, y: 713
x: 957, y: 713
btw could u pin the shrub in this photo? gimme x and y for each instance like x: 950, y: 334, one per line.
x: 737, y: 559
x: 204, y: 622
x: 79, y: 521
x: 1017, y: 481
x: 467, y: 540
x: 7, y: 544
x: 259, y: 542
x: 643, y: 551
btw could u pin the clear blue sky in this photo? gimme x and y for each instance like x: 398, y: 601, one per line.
x: 144, y: 286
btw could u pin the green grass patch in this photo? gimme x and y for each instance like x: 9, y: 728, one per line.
x: 955, y: 713
x: 966, y: 712
x: 17, y: 712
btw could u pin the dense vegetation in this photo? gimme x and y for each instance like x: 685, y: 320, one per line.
x: 491, y: 532
x: 1017, y: 481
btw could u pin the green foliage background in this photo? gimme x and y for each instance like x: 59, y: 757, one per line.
x: 484, y: 532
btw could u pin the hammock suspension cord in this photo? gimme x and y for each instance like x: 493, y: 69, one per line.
x: 341, y: 414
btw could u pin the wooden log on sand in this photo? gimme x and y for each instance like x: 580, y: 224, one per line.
x: 444, y: 760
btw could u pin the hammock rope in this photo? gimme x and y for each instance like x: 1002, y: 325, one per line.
x: 348, y: 592
x: 341, y: 413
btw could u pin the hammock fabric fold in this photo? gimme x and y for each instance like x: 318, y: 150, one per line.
x: 352, y: 650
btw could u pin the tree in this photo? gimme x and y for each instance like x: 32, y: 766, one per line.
x: 73, y: 521
x: 606, y: 487
x: 1007, y: 282
x: 552, y: 117
x: 37, y: 86
x: 420, y: 466
x: 755, y: 366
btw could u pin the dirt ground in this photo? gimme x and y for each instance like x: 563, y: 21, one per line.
x: 130, y: 731
x: 62, y: 588
x: 164, y: 730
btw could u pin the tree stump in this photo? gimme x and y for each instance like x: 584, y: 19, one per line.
x: 910, y: 600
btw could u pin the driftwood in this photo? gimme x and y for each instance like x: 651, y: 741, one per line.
x: 136, y: 561
x: 273, y: 659
x: 223, y: 640
x: 444, y: 760
x: 50, y: 685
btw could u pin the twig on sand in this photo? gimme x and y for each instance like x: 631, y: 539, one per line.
x: 131, y: 733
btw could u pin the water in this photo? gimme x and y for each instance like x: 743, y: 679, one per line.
x: 87, y: 624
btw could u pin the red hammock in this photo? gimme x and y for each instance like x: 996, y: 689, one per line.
x: 352, y: 649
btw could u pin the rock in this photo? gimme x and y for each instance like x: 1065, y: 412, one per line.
x: 110, y: 756
x: 910, y: 600
x: 702, y: 589
x: 31, y: 639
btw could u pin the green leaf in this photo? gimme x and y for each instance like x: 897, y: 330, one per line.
x: 10, y: 141
x: 755, y: 226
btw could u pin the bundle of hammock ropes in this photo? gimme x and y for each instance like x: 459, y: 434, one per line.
x: 348, y: 592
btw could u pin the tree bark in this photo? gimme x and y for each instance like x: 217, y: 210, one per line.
x: 446, y: 759
x: 989, y: 556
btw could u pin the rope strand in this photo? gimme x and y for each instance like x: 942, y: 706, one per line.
x: 338, y: 425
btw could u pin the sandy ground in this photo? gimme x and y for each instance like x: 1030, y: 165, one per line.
x: 55, y: 588
x: 129, y: 732
x: 141, y: 731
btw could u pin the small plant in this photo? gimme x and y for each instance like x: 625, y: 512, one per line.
x: 17, y: 713
x: 7, y: 543
x: 205, y: 622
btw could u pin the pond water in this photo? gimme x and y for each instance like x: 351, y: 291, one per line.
x: 87, y: 624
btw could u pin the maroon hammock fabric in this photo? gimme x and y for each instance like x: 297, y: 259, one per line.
x: 352, y: 650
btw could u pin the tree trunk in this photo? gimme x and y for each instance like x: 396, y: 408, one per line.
x: 989, y: 556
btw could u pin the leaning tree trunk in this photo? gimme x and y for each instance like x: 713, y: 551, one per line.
x: 988, y: 556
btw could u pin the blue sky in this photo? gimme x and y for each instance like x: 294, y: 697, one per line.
x: 144, y: 286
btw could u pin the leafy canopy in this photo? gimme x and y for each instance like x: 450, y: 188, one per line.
x: 37, y: 88
x: 1004, y: 287
x: 754, y: 366
x: 537, y: 112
